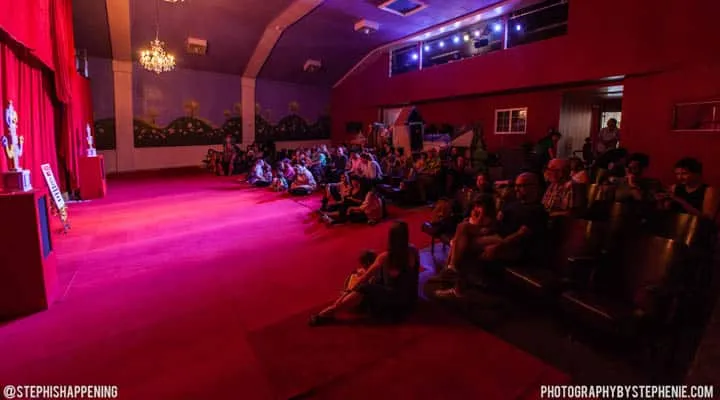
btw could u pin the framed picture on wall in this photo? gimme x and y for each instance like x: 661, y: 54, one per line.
x: 511, y: 121
x: 697, y: 117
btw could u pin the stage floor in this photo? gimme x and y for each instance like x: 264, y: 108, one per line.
x: 198, y: 287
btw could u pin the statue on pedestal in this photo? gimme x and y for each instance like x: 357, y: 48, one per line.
x: 16, y: 179
x: 91, y: 151
x: 13, y: 147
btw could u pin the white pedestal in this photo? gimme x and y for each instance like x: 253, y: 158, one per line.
x: 17, y: 181
x: 91, y: 152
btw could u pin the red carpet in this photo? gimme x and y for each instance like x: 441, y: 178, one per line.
x: 197, y: 287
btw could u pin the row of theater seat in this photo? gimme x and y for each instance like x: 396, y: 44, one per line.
x: 621, y: 269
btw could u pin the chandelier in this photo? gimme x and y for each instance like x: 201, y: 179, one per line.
x: 157, y: 59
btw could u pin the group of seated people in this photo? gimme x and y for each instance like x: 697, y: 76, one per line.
x: 506, y: 226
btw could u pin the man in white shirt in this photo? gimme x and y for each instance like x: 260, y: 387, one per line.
x: 371, y: 170
x: 608, y: 137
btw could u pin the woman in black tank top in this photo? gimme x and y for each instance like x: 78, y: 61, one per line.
x: 690, y: 195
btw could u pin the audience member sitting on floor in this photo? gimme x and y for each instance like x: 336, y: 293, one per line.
x: 559, y: 198
x: 521, y: 227
x: 354, y: 167
x: 287, y: 169
x: 389, y: 287
x: 371, y: 209
x: 367, y: 259
x: 280, y: 184
x: 338, y: 212
x: 690, y: 195
x: 371, y: 170
x: 577, y: 171
x: 304, y: 182
x: 481, y: 223
x: 257, y: 173
x: 634, y: 186
x: 335, y: 193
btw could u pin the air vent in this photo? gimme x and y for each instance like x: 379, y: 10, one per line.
x: 403, y: 8
x: 196, y: 46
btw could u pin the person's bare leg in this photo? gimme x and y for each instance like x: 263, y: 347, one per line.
x: 346, y: 302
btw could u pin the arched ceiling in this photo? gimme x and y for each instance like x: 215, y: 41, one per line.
x: 327, y: 34
x: 234, y: 27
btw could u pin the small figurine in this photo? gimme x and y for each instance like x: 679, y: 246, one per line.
x: 13, y: 147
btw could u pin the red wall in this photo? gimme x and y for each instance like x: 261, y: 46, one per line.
x: 647, y: 119
x: 543, y: 113
x: 663, y: 46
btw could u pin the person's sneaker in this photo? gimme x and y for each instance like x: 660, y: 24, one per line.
x: 325, y: 218
x: 448, y: 293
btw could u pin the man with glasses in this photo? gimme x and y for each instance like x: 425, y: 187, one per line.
x: 559, y: 198
x: 521, y: 226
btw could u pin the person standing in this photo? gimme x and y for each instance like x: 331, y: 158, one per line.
x: 608, y: 137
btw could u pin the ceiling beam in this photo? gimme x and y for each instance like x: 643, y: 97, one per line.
x: 118, y: 12
x: 296, y: 11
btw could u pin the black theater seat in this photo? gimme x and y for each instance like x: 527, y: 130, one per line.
x: 573, y: 247
x: 637, y: 292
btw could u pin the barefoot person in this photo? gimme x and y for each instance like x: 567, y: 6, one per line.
x: 387, y: 289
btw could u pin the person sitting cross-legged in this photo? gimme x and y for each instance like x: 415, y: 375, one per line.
x: 520, y: 231
x: 371, y: 209
x: 388, y: 289
x: 304, y: 182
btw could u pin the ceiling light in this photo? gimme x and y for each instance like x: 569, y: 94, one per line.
x: 476, y: 33
x: 518, y: 27
x: 457, y: 24
x: 456, y: 39
x: 427, y: 48
x: 156, y: 59
x: 414, y: 56
x: 441, y: 44
x: 497, y: 27
x: 466, y: 37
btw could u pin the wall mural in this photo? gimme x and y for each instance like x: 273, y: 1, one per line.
x: 192, y: 130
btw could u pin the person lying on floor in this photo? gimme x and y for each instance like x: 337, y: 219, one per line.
x: 304, y: 183
x: 388, y: 289
x: 520, y: 230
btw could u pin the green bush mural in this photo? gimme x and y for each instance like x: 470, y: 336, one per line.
x: 193, y: 131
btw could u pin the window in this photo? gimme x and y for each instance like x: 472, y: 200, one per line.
x: 699, y: 117
x: 511, y: 121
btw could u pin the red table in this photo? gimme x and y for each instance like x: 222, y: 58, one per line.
x: 92, y: 178
x: 28, y: 276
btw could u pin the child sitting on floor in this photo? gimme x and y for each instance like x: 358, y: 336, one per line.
x: 367, y: 258
x: 280, y: 184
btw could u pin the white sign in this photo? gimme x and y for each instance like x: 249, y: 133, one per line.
x: 53, y: 186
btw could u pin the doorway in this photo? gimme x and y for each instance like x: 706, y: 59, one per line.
x: 583, y: 113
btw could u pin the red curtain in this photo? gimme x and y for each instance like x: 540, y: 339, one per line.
x: 24, y: 82
x: 42, y: 32
x: 27, y: 22
x: 63, y: 48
